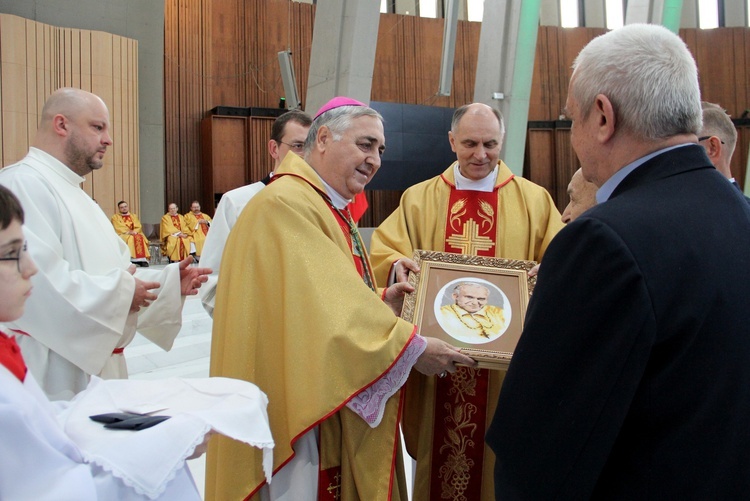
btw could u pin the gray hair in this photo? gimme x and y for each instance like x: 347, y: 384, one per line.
x: 648, y: 74
x: 716, y: 122
x: 338, y: 120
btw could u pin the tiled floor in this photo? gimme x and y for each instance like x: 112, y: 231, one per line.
x: 189, y: 357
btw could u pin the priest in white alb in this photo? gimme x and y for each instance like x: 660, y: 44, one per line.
x: 88, y: 299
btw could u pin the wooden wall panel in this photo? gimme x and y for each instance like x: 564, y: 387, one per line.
x: 260, y: 161
x: 36, y: 59
x: 243, y: 71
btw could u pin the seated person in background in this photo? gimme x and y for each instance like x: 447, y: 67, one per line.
x: 54, y: 451
x: 470, y: 316
x: 128, y: 227
x: 176, y: 242
x: 198, y: 224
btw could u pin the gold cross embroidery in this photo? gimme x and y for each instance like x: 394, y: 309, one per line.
x: 470, y: 241
x: 335, y: 489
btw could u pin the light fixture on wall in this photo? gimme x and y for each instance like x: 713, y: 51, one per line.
x: 290, y: 83
x: 449, y: 47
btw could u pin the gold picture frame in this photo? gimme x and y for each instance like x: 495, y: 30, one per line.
x: 496, y: 290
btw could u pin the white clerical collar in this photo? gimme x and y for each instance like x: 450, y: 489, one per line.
x: 337, y: 200
x: 487, y: 183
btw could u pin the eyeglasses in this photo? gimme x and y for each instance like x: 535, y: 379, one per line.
x: 708, y: 137
x: 17, y: 258
x: 295, y: 147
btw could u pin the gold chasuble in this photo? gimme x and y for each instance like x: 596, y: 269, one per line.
x: 175, y: 248
x: 197, y: 231
x: 137, y: 243
x: 445, y: 418
x: 295, y: 316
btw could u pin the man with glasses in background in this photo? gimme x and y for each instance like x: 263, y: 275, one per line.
x: 718, y: 137
x: 288, y: 133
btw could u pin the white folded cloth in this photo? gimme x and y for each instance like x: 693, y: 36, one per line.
x: 148, y: 459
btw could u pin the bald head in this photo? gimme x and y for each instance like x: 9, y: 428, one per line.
x: 718, y: 136
x: 582, y: 196
x: 74, y: 128
x: 476, y: 137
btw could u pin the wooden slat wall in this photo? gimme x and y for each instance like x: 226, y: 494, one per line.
x: 726, y: 84
x: 36, y: 59
x: 246, y: 36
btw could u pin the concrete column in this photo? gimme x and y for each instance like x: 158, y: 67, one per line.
x: 595, y: 13
x: 671, y: 14
x: 507, y: 47
x: 342, y: 59
x: 735, y: 13
x: 689, y: 15
x: 549, y: 13
x: 664, y: 12
x: 639, y: 11
x: 402, y: 7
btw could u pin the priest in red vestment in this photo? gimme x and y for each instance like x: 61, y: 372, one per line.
x: 129, y: 228
x: 476, y: 207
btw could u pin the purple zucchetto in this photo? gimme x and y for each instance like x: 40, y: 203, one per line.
x: 337, y: 102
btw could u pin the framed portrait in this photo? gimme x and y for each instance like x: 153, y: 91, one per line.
x: 475, y: 303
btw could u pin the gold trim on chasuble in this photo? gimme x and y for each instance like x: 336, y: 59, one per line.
x: 461, y: 399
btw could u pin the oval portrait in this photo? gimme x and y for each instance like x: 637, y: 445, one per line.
x: 472, y: 310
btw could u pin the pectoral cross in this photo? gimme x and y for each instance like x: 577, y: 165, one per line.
x: 470, y: 241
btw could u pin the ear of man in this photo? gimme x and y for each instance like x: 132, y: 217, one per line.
x: 60, y: 125
x: 273, y: 149
x: 606, y: 115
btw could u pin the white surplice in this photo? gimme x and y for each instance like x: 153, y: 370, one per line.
x: 54, y: 451
x: 41, y: 463
x: 229, y: 209
x: 78, y: 313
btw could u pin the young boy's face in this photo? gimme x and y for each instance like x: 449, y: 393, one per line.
x: 15, y: 274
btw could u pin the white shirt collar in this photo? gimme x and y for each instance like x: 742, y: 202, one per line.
x: 337, y: 200
x: 487, y: 183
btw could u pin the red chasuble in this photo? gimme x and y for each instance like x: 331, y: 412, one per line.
x: 461, y: 399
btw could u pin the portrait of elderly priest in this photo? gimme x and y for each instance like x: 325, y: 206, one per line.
x: 477, y: 206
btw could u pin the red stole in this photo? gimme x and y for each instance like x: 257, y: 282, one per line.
x: 139, y: 243
x: 356, y: 246
x: 460, y: 411
x: 203, y: 227
x: 180, y: 240
x: 11, y: 358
